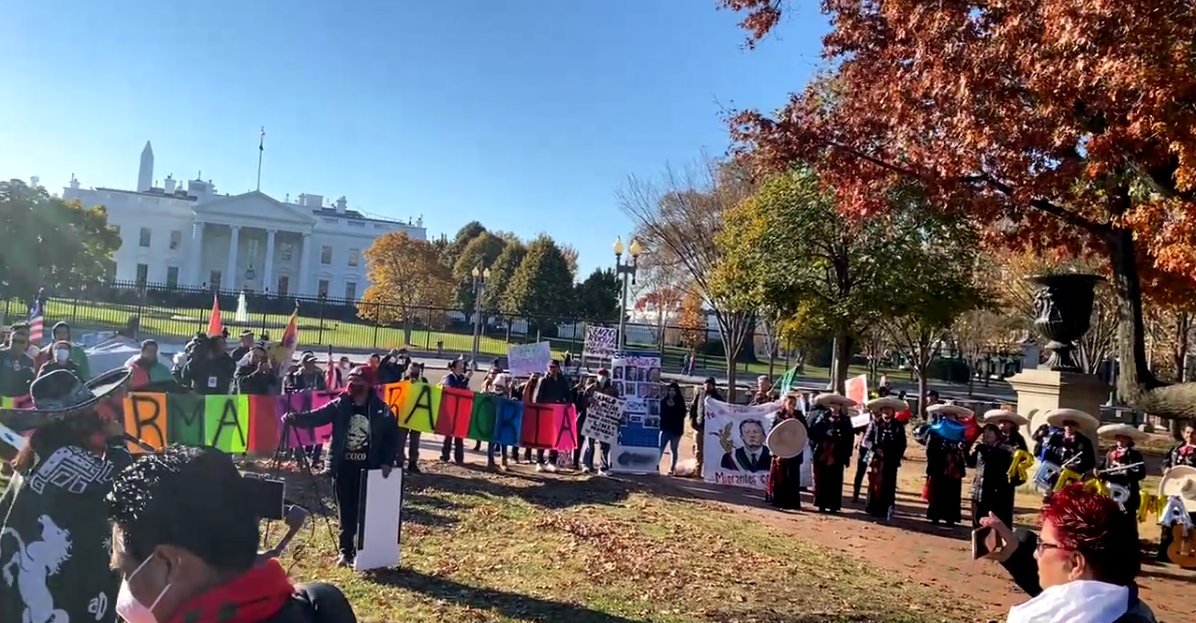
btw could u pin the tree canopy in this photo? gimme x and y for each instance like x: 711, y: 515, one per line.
x: 1063, y: 124
x: 597, y: 298
x: 53, y: 243
x: 480, y: 253
x: 404, y: 273
x: 501, y: 272
x: 542, y: 284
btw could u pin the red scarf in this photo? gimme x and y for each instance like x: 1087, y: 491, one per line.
x: 254, y: 596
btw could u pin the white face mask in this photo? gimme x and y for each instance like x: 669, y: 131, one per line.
x: 131, y: 610
x: 62, y: 355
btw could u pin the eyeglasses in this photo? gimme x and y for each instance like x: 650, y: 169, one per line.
x: 1044, y: 546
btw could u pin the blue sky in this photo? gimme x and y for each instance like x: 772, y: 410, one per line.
x: 526, y: 115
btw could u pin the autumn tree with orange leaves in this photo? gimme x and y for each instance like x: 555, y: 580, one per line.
x: 1067, y: 124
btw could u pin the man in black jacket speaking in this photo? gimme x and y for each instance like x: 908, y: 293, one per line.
x: 365, y: 436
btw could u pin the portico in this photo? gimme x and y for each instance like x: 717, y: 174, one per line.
x: 253, y: 242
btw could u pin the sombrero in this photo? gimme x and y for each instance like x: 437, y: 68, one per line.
x: 1056, y: 418
x: 787, y: 439
x: 994, y: 416
x: 955, y: 410
x: 889, y: 402
x: 60, y: 395
x: 1180, y: 482
x: 1121, y: 430
x: 826, y: 400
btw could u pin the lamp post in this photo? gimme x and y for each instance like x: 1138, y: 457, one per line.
x: 479, y: 288
x: 627, y: 271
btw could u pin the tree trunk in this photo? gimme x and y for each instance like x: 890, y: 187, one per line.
x: 1137, y: 385
x: 921, y: 371
x: 1182, y: 325
x: 731, y: 388
x: 772, y: 360
x: 971, y: 378
x: 838, y: 380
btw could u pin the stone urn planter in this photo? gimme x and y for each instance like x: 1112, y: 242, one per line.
x: 1063, y: 314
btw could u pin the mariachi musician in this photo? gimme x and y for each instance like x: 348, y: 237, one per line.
x: 1068, y: 447
x: 1182, y: 455
x: 1123, y: 465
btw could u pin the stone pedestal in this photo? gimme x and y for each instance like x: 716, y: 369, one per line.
x: 1040, y: 390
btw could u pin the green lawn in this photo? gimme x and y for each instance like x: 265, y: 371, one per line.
x: 317, y: 333
x: 487, y: 547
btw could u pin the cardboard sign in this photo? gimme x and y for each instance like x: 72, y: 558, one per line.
x: 604, y: 416
x: 526, y: 359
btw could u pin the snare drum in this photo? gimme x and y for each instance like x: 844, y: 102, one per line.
x: 1045, y: 476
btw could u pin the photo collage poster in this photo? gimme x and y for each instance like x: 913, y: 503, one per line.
x: 637, y: 377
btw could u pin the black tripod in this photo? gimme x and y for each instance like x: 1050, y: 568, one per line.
x: 304, y: 465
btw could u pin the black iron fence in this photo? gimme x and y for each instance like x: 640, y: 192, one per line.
x: 173, y: 314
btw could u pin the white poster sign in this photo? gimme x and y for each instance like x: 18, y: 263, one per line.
x: 637, y: 448
x: 604, y: 415
x: 526, y: 359
x: 734, y: 445
x: 600, y: 342
x: 381, y: 520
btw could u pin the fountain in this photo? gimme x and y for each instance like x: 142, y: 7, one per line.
x: 242, y: 315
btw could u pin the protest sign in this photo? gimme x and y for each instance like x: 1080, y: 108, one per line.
x: 526, y: 359
x: 456, y: 409
x: 600, y: 342
x: 734, y: 443
x: 381, y: 520
x: 636, y: 375
x: 604, y: 415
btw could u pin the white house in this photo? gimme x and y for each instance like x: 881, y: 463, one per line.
x: 192, y: 236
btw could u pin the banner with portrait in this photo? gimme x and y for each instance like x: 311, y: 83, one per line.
x: 734, y: 445
x: 637, y: 446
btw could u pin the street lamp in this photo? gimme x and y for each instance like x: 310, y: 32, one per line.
x: 627, y: 271
x: 480, y: 276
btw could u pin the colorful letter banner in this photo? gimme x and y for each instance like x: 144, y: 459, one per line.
x: 240, y: 424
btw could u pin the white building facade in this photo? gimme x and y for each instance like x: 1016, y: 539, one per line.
x: 193, y: 237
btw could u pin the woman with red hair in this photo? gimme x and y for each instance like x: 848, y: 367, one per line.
x: 1081, y: 568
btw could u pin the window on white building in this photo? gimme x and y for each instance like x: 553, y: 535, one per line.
x: 354, y: 256
x: 350, y: 291
x: 284, y: 251
x: 172, y: 276
x: 145, y: 237
x: 253, y: 247
x: 326, y: 255
x: 284, y: 285
x: 142, y: 274
x: 214, y: 280
x: 176, y: 239
x: 322, y: 287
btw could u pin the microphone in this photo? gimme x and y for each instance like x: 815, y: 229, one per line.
x: 143, y: 445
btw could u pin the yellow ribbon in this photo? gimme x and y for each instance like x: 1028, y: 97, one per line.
x: 1150, y: 506
x: 1019, y: 469
x: 1066, y: 477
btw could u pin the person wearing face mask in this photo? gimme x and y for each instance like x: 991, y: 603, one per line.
x: 1068, y: 446
x: 255, y: 375
x: 1183, y: 453
x: 365, y: 436
x: 145, y: 367
x: 697, y: 417
x: 184, y: 543
x: 62, y: 334
x: 52, y: 525
x: 409, y: 439
x: 59, y: 360
x: 1081, y: 568
x: 886, y: 448
x: 210, y: 371
x: 600, y: 386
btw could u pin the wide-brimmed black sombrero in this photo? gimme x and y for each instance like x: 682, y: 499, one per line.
x: 60, y: 395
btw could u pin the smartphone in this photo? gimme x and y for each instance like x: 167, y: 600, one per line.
x: 984, y: 542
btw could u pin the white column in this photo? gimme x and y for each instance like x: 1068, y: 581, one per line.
x: 195, y: 268
x: 268, y: 268
x: 302, y: 287
x: 230, y: 275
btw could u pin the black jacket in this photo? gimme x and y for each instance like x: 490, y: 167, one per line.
x: 552, y: 390
x: 315, y: 603
x: 825, y: 427
x: 384, y: 429
x: 390, y: 370
x: 17, y: 371
x: 211, y: 376
x: 298, y: 381
x: 254, y: 381
x: 992, y: 470
x: 697, y: 409
x: 1058, y: 450
x: 1024, y: 570
x: 672, y: 416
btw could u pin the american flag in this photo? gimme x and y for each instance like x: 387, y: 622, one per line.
x: 36, y: 323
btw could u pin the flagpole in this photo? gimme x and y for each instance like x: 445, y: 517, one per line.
x: 261, y: 149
